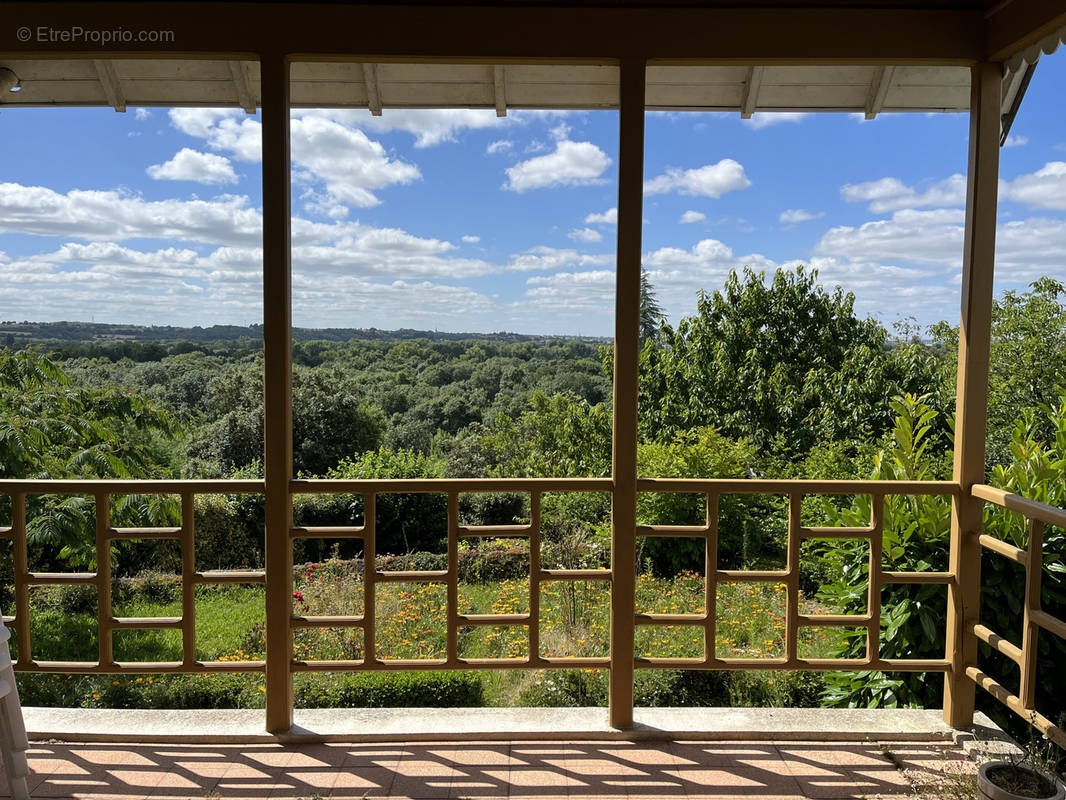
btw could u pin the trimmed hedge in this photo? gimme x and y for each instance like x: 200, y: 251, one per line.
x: 392, y: 690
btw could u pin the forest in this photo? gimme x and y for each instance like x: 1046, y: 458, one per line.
x: 772, y: 376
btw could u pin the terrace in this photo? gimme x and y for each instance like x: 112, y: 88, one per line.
x: 869, y: 57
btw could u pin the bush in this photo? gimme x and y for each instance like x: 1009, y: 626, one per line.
x: 140, y: 691
x: 391, y: 690
x: 672, y: 688
x: 229, y: 531
x: 68, y: 599
x: 565, y: 688
x: 148, y: 586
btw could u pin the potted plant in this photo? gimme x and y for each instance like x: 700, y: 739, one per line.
x: 1013, y: 779
x: 1028, y: 774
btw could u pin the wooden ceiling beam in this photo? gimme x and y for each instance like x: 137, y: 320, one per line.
x: 105, y: 70
x: 240, y: 83
x: 879, y: 87
x: 373, y: 91
x: 752, y: 86
x: 500, y: 90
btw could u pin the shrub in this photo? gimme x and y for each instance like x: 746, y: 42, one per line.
x: 677, y: 688
x: 565, y: 688
x: 229, y: 531
x: 391, y: 690
x: 140, y: 691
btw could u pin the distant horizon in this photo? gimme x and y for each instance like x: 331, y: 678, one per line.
x: 258, y: 326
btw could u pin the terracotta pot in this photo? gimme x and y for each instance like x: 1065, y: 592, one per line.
x: 992, y: 791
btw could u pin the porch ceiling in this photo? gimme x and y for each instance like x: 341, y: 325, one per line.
x: 218, y: 83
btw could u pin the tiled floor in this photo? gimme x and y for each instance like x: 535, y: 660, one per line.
x: 480, y: 771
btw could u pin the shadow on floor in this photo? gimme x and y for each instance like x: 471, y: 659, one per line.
x: 481, y: 771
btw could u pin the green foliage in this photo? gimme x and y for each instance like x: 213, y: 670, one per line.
x: 331, y: 420
x: 392, y: 690
x: 229, y: 534
x: 557, y: 436
x: 139, y: 691
x: 783, y: 365
x: 676, y: 688
x: 651, y: 313
x: 916, y: 535
x: 701, y: 453
x: 1027, y: 361
x: 1037, y: 471
x: 405, y: 522
x: 52, y: 427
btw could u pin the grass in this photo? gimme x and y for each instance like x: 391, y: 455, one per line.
x: 411, y: 622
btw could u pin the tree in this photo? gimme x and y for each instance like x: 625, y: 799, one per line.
x: 1027, y: 361
x: 51, y: 427
x: 784, y: 364
x: 331, y: 420
x: 651, y: 313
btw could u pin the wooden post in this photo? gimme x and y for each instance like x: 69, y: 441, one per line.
x: 975, y: 332
x: 277, y: 381
x: 626, y: 365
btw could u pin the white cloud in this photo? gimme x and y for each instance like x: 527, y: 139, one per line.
x: 471, y: 239
x: 580, y: 299
x: 430, y: 127
x: 560, y: 132
x: 551, y: 259
x: 500, y: 146
x: 141, y: 114
x: 764, y: 119
x: 585, y: 235
x: 794, y: 216
x: 571, y: 164
x: 693, y: 216
x: 192, y: 165
x: 348, y: 162
x: 608, y: 217
x: 891, y: 194
x: 114, y: 216
x: 909, y: 236
x: 1045, y: 188
x: 345, y: 160
x: 1014, y: 140
x: 712, y: 180
x: 224, y: 129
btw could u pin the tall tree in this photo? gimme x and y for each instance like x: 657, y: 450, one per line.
x: 1027, y: 361
x: 651, y: 313
x: 785, y: 364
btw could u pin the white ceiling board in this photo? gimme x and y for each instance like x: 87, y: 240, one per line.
x: 426, y: 85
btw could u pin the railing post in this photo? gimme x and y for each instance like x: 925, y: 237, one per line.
x: 21, y: 573
x: 102, y: 503
x: 626, y: 365
x: 972, y: 395
x: 277, y: 382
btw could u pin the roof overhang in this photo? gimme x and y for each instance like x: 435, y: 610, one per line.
x: 789, y: 55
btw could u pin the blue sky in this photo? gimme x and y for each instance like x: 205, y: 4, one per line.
x: 459, y: 220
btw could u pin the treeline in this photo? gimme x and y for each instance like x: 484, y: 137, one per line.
x: 18, y: 335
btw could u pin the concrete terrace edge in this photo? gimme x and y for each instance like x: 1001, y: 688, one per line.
x: 220, y: 726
